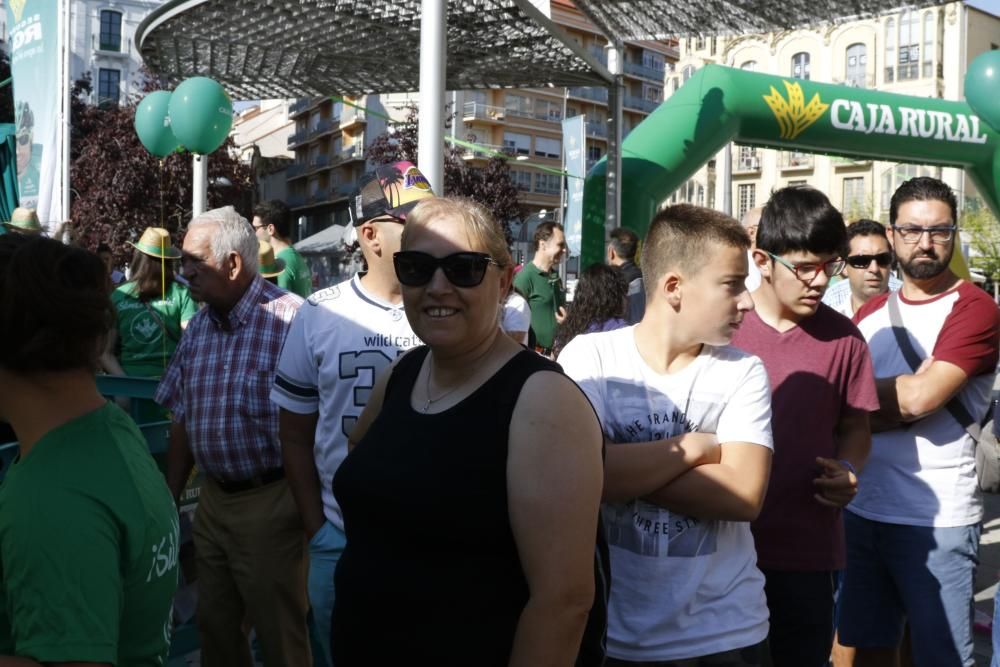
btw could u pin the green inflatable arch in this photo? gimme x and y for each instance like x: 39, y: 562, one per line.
x: 721, y: 104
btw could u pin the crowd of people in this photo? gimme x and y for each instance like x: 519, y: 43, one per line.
x: 707, y: 458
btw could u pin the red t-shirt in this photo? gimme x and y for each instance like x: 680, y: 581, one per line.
x: 819, y: 371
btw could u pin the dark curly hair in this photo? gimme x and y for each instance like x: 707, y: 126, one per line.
x: 54, y: 305
x: 599, y: 297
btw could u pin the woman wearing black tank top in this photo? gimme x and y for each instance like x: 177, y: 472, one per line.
x: 471, y: 495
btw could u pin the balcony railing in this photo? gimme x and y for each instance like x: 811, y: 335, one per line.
x: 640, y: 104
x: 645, y: 72
x: 297, y: 169
x: 319, y: 162
x: 300, y: 105
x: 597, y: 129
x: 298, y: 137
x: 795, y: 160
x: 482, y: 152
x: 325, y: 125
x: 350, y: 153
x: 351, y: 115
x: 745, y: 164
x: 595, y: 94
x: 480, y: 111
x: 295, y: 201
x: 600, y: 54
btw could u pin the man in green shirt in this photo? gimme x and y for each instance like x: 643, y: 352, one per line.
x: 538, y: 282
x: 272, y: 222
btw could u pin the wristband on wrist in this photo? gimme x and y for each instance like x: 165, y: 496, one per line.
x: 847, y: 464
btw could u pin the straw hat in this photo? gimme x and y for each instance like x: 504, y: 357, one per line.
x: 155, y: 242
x: 24, y: 220
x: 269, y: 265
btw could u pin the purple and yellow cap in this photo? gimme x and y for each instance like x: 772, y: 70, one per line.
x: 389, y: 190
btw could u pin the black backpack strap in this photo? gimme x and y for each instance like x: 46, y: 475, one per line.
x: 954, y: 406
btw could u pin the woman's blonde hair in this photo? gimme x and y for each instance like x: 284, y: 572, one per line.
x: 484, y: 231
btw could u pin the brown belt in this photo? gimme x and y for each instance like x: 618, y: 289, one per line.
x: 255, y: 482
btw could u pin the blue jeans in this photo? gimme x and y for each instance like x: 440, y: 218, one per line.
x: 995, y: 662
x: 924, y: 575
x: 325, y: 549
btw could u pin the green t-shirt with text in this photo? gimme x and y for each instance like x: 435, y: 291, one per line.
x: 88, y: 547
x: 544, y: 294
x: 145, y: 346
x: 297, y: 277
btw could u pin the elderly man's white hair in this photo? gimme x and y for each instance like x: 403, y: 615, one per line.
x: 233, y: 233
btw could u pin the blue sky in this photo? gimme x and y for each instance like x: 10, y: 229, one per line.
x: 992, y: 6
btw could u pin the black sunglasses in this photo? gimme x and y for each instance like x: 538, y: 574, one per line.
x: 883, y: 259
x: 462, y: 269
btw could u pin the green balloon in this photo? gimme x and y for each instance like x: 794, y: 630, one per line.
x: 982, y: 88
x: 201, y: 114
x: 152, y: 124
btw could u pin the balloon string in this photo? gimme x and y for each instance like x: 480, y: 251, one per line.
x: 163, y: 288
x: 159, y: 183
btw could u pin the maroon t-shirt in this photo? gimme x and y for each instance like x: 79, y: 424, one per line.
x: 819, y: 371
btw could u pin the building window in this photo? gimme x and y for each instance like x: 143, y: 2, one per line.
x: 653, y: 60
x: 890, y: 50
x: 477, y: 96
x: 750, y: 66
x: 747, y: 198
x: 594, y: 153
x: 699, y: 43
x: 909, y: 46
x: 111, y: 31
x: 800, y: 65
x: 522, y: 180
x: 547, y: 183
x: 711, y: 46
x: 517, y: 144
x: 314, y: 119
x: 687, y: 73
x: 928, y: 66
x: 748, y: 160
x: 517, y: 105
x: 547, y: 147
x: 652, y: 93
x: 854, y: 197
x: 108, y: 86
x: 857, y: 61
x: 548, y: 110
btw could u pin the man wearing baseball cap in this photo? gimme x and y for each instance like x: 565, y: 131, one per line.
x: 340, y: 340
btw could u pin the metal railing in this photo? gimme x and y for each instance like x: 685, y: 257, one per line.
x: 298, y: 138
x: 324, y: 125
x: 482, y: 151
x: 480, y: 111
x: 796, y: 160
x: 645, y: 72
x: 295, y: 170
x: 640, y: 104
x: 746, y: 163
x: 351, y: 115
x: 595, y: 129
x: 300, y: 105
x: 595, y: 94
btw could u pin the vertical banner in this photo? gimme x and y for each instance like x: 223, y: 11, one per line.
x: 35, y: 67
x: 575, y: 166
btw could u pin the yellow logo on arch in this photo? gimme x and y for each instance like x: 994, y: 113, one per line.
x: 794, y: 115
x: 17, y: 7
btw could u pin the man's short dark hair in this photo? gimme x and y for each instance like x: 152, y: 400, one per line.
x: 277, y: 213
x: 865, y: 227
x: 801, y: 219
x: 544, y: 232
x: 103, y: 247
x: 923, y: 188
x: 625, y: 242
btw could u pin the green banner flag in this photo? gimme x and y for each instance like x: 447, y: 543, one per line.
x: 34, y: 63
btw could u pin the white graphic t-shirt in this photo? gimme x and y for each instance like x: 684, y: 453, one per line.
x: 340, y: 341
x: 681, y: 587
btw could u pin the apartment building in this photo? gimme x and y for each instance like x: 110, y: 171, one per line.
x: 330, y: 137
x: 922, y: 52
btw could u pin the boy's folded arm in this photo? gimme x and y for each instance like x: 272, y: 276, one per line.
x: 731, y: 490
x: 635, y: 469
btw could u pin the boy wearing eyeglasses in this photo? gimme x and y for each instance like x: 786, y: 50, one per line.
x: 913, y: 528
x: 822, y: 391
x: 869, y: 262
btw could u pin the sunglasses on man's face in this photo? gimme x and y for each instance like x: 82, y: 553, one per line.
x: 883, y: 259
x: 462, y: 269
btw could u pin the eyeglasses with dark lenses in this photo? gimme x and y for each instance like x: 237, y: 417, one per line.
x: 462, y: 269
x: 807, y: 271
x: 883, y: 259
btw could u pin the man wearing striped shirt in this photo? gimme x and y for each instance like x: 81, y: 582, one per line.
x: 251, y: 558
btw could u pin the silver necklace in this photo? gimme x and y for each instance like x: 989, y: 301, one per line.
x: 428, y: 401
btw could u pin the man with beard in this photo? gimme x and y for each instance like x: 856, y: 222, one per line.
x: 913, y: 529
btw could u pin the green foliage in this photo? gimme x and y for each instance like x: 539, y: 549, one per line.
x: 982, y: 230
